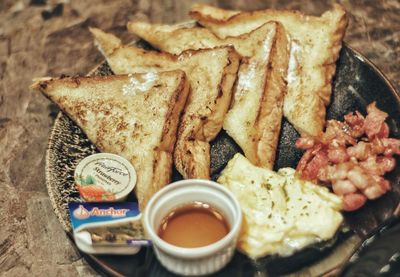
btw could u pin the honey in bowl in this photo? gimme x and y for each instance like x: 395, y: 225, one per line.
x: 193, y: 225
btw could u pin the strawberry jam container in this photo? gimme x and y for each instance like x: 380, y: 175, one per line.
x: 104, y: 177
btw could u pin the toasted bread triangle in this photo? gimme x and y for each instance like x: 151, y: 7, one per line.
x: 316, y: 42
x: 254, y: 120
x: 211, y: 74
x: 135, y: 116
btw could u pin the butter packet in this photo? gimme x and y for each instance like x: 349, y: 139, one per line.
x: 107, y: 228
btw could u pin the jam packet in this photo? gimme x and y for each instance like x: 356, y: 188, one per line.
x: 107, y: 228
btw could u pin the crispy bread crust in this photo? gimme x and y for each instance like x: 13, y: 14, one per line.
x: 211, y: 13
x: 163, y: 153
x: 269, y: 117
x: 192, y: 152
x: 203, y: 117
x: 105, y: 42
x: 253, y: 135
x: 304, y: 107
x: 315, y: 103
x: 44, y: 84
x: 162, y: 161
x: 256, y: 126
x: 207, y: 14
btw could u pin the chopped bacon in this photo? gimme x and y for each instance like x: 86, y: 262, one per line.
x: 372, y: 166
x: 334, y: 172
x: 351, y: 157
x: 353, y: 201
x: 392, y: 146
x: 376, y: 190
x: 387, y: 164
x: 377, y: 146
x: 305, y: 143
x: 384, y: 131
x: 356, y: 122
x: 358, y: 178
x: 318, y: 161
x: 341, y: 170
x: 360, y: 151
x: 375, y: 121
x: 343, y: 187
x: 305, y: 159
x: 339, y: 133
x: 338, y: 154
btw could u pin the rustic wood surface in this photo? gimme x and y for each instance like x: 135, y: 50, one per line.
x: 40, y: 38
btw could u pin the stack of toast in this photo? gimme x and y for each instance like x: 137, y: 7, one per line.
x: 241, y: 71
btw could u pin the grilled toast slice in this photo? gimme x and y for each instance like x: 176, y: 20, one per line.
x: 211, y: 74
x: 135, y: 116
x: 254, y: 120
x: 315, y: 46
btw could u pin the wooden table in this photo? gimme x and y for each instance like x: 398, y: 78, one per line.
x: 39, y: 38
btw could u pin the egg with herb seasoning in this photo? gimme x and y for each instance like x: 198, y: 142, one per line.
x: 281, y: 213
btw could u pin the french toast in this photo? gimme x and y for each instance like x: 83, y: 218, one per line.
x: 135, y: 116
x: 211, y: 74
x: 315, y: 45
x: 254, y: 119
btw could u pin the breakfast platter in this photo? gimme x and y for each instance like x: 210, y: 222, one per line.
x: 286, y: 210
x: 357, y: 82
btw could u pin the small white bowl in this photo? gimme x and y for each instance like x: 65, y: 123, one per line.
x: 200, y: 260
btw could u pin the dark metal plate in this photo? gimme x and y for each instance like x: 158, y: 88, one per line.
x: 378, y: 255
x: 357, y: 83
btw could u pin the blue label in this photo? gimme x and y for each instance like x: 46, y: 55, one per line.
x: 82, y: 213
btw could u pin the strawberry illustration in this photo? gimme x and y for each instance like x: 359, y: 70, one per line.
x: 91, y: 192
x: 108, y: 196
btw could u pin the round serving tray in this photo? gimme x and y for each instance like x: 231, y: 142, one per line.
x: 356, y: 84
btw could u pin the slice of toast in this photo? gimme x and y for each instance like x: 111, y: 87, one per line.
x: 211, y: 74
x: 254, y: 120
x: 135, y: 116
x: 316, y: 42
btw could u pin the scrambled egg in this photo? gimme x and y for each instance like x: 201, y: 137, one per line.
x: 281, y: 213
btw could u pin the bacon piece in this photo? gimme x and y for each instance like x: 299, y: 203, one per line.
x: 305, y: 159
x: 385, y: 184
x: 324, y: 174
x: 378, y: 189
x: 392, y: 146
x: 305, y: 143
x: 374, y: 122
x: 356, y: 122
x: 358, y: 178
x: 338, y: 154
x: 360, y: 151
x: 353, y: 201
x: 342, y: 170
x: 319, y: 160
x: 342, y: 187
x: 377, y: 146
x: 384, y: 131
x: 386, y: 163
x: 334, y: 172
x: 338, y: 133
x: 372, y: 166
